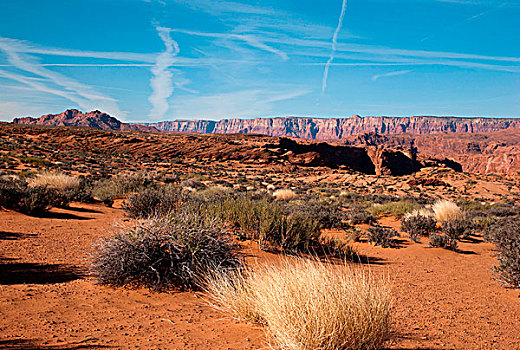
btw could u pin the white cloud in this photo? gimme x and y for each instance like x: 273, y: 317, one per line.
x: 161, y: 81
x: 238, y: 104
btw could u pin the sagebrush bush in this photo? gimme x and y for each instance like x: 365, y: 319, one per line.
x: 358, y: 215
x: 308, y: 304
x: 446, y: 242
x: 152, y: 202
x: 174, y: 251
x: 457, y: 229
x: 16, y: 194
x: 417, y: 224
x: 505, y: 234
x: 327, y: 213
x: 120, y: 185
x: 382, y: 236
x: 447, y: 211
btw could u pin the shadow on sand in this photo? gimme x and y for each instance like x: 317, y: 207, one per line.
x: 30, y: 344
x: 31, y: 273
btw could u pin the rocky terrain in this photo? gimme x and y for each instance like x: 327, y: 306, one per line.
x: 383, y: 145
x: 494, y: 152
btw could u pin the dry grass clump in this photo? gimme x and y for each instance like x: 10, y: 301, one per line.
x: 396, y: 209
x: 447, y: 211
x: 56, y: 180
x: 308, y: 304
x: 284, y: 194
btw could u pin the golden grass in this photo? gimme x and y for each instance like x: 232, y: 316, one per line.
x: 446, y: 211
x: 284, y: 194
x: 55, y: 180
x: 308, y: 304
x: 396, y: 209
x: 420, y: 212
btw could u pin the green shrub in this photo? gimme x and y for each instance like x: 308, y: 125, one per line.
x: 395, y: 209
x: 358, y: 215
x: 151, y: 202
x: 120, y: 185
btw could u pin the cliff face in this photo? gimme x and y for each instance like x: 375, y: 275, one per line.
x: 492, y: 152
x: 338, y: 128
x: 94, y: 119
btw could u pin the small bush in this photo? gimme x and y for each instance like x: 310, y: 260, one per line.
x: 308, y: 305
x: 438, y: 241
x: 354, y: 234
x: 175, y: 251
x: 358, y: 215
x: 284, y: 194
x: 456, y: 229
x: 505, y: 234
x: 17, y: 195
x: 328, y: 214
x: 418, y: 224
x: 120, y: 185
x: 382, y: 236
x: 447, y: 211
x: 151, y: 202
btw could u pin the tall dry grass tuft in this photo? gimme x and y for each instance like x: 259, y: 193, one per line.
x: 284, y: 194
x: 55, y: 180
x: 447, y: 211
x: 308, y: 304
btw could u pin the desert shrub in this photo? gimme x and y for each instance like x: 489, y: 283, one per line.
x: 503, y: 210
x: 354, y: 234
x: 327, y: 213
x: 446, y: 211
x: 446, y: 242
x: 382, y: 236
x: 59, y: 181
x: 120, y: 185
x: 151, y: 202
x: 396, y: 209
x: 174, y: 251
x: 307, y: 304
x: 506, y: 237
x: 358, y: 215
x: 17, y: 195
x: 284, y: 194
x: 417, y: 224
x: 458, y: 228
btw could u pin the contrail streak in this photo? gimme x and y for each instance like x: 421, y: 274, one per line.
x: 334, y: 43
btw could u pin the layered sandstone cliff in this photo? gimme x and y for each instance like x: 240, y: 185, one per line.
x: 338, y: 128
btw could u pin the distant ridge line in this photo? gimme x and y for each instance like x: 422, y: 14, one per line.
x: 313, y: 128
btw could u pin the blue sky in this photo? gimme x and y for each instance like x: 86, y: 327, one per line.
x: 151, y: 60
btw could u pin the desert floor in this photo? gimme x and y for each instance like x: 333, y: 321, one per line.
x: 443, y: 299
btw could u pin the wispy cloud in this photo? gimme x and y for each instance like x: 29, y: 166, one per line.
x: 52, y: 82
x: 237, y: 104
x: 390, y: 74
x: 161, y: 81
x: 333, y: 49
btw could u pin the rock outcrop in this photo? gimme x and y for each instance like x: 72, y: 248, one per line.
x: 339, y: 128
x: 94, y: 119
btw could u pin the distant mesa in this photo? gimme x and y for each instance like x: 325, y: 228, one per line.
x: 300, y: 127
x: 94, y: 119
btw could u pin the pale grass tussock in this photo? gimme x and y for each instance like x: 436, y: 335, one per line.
x: 308, y: 304
x: 284, y: 194
x: 55, y: 180
x: 446, y: 211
